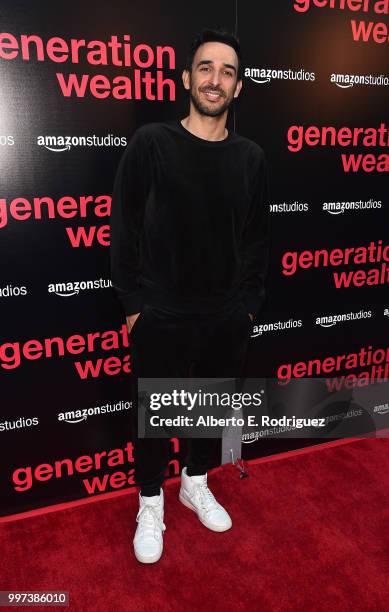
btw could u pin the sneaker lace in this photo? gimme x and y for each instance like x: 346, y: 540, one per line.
x: 150, y: 520
x: 205, y: 495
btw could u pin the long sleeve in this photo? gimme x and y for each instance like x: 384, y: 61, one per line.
x: 255, y: 242
x: 128, y: 202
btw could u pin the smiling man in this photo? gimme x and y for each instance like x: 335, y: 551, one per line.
x: 189, y: 255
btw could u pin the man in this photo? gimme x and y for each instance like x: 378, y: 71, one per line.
x: 189, y: 254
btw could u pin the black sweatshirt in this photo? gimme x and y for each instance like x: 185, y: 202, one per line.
x: 189, y: 221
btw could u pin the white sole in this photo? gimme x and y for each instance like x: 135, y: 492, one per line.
x: 188, y: 504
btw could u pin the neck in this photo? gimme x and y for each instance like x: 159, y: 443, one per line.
x: 209, y: 128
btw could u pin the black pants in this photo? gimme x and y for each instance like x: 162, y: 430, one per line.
x: 167, y: 345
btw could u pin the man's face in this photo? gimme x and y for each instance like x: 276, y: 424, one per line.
x: 213, y: 81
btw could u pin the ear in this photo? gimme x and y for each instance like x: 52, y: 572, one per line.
x: 186, y: 78
x: 238, y: 88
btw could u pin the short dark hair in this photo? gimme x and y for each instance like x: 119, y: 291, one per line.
x: 217, y: 34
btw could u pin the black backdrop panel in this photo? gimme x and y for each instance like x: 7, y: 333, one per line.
x: 65, y: 241
x: 61, y: 247
x: 319, y: 43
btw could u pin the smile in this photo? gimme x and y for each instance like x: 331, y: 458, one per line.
x: 212, y: 96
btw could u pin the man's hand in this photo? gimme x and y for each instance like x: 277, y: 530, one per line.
x: 131, y: 320
x: 251, y: 317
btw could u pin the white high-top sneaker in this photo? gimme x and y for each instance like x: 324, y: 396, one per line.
x: 195, y: 494
x: 148, y: 539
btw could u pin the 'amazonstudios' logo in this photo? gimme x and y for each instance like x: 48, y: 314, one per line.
x: 59, y: 144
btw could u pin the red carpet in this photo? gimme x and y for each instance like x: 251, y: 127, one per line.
x: 310, y: 533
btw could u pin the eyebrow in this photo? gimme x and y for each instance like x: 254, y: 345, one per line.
x: 211, y: 62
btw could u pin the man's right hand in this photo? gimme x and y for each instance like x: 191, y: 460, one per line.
x: 131, y: 320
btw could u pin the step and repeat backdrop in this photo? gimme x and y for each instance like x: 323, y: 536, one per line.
x: 76, y: 81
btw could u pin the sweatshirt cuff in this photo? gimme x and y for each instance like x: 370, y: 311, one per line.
x: 132, y: 304
x: 253, y: 302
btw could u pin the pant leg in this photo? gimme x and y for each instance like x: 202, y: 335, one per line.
x: 221, y: 353
x: 160, y: 345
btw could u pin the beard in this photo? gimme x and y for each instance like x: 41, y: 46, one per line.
x: 209, y: 109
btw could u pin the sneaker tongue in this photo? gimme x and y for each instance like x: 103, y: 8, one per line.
x: 199, y: 479
x: 151, y: 501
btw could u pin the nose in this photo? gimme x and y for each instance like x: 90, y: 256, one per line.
x: 216, y: 78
